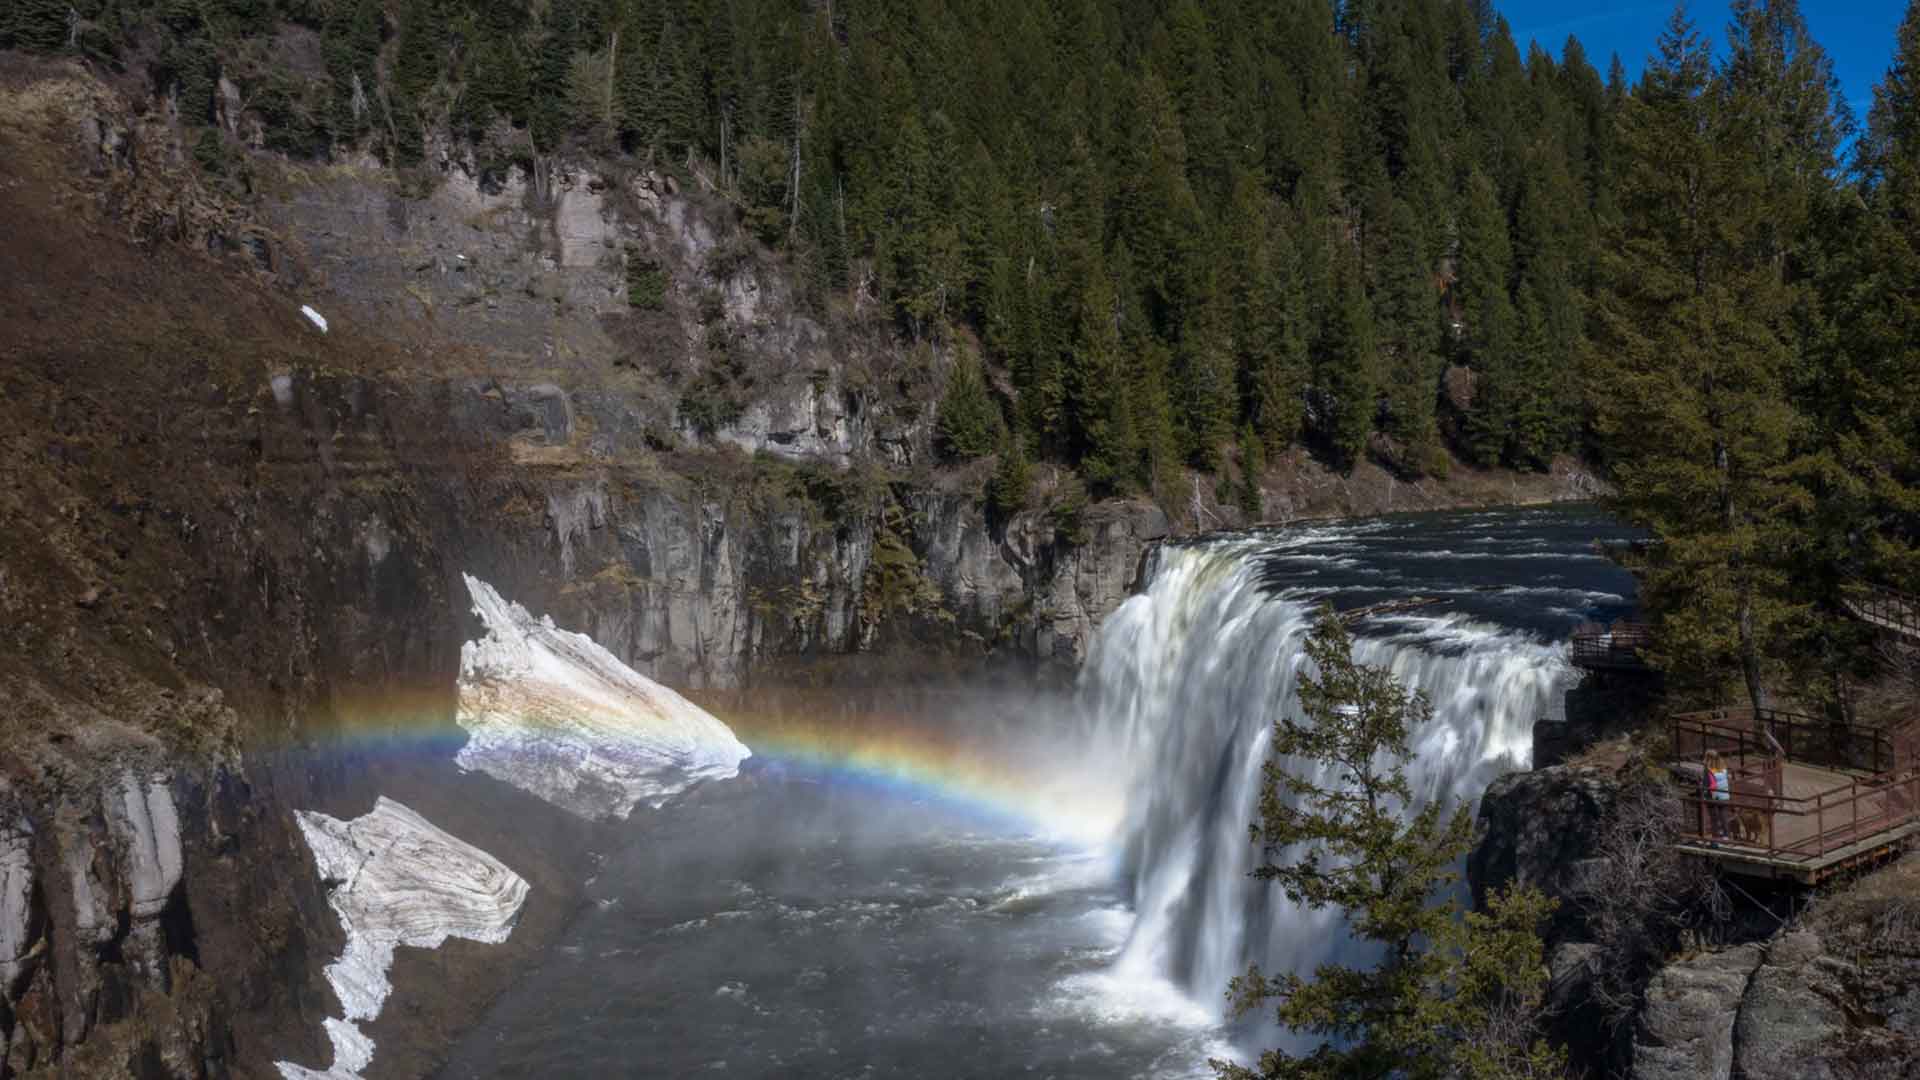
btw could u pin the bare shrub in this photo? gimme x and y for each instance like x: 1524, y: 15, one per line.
x: 1640, y: 898
x: 1894, y: 696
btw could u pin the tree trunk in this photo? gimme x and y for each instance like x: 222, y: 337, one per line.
x: 613, y: 64
x: 1750, y: 650
x: 793, y: 192
x: 1729, y: 511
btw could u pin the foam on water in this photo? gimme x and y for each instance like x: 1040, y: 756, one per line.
x: 1069, y: 877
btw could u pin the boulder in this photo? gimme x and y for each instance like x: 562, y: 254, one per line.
x: 1537, y: 828
x: 1685, y: 1028
x: 1790, y: 1022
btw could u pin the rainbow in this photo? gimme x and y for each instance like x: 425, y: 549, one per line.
x: 810, y: 735
x: 911, y: 757
x: 554, y: 713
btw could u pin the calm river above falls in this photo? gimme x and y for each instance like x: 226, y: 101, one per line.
x: 1014, y: 883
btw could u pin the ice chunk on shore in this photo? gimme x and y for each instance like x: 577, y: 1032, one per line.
x: 551, y: 712
x: 395, y: 879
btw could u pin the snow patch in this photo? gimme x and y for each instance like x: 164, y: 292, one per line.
x: 314, y: 317
x: 396, y: 879
x: 551, y: 712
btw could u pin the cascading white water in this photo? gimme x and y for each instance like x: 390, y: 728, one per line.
x: 1189, y: 676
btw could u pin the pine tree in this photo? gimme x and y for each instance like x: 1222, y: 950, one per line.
x: 1149, y: 377
x: 1869, y: 420
x: 1497, y: 96
x: 1346, y: 376
x: 1012, y: 482
x: 968, y: 424
x: 1253, y: 465
x: 904, y: 240
x: 499, y: 81
x: 1195, y: 73
x: 35, y: 25
x: 1275, y: 323
x: 985, y: 228
x: 1448, y: 987
x: 1409, y: 315
x: 350, y: 45
x: 1486, y: 258
x: 550, y: 114
x: 422, y: 44
x: 1097, y: 392
x: 1701, y: 345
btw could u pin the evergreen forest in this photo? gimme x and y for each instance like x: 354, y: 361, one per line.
x: 1191, y: 235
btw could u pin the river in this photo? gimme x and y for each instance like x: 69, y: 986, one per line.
x: 1009, y: 882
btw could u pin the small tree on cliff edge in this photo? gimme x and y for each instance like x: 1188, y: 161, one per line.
x: 1455, y: 994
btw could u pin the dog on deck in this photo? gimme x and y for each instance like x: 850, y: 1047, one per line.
x: 1748, y: 825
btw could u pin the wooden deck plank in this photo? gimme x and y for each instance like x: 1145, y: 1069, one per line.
x: 1755, y: 862
x: 1788, y: 817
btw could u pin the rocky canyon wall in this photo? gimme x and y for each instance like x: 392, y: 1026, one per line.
x: 230, y: 578
x: 1778, y: 983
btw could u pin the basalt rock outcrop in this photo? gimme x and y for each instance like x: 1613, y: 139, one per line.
x: 1834, y: 993
x: 104, y: 967
x: 230, y: 586
x: 1541, y: 828
x: 231, y: 579
x: 1538, y: 828
x: 1685, y: 1029
x: 1785, y: 1009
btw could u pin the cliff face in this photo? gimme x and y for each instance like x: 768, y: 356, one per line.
x: 1834, y: 993
x: 1803, y: 1004
x: 230, y: 583
x: 230, y: 586
x: 623, y: 347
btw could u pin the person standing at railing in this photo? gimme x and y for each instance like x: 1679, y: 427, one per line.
x: 1719, y: 783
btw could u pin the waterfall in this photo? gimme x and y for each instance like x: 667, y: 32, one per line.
x: 1188, y: 677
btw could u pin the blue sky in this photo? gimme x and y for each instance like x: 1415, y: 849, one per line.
x: 1858, y: 34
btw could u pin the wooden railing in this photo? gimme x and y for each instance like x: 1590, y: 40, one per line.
x: 1894, y: 612
x: 1762, y: 747
x: 1616, y: 646
x: 1758, y: 815
x: 1748, y: 733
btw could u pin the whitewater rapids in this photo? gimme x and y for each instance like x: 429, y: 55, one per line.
x: 1077, y: 903
x: 1190, y: 675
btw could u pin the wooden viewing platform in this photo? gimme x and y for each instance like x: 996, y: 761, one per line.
x: 1611, y: 648
x: 1885, y: 610
x: 1809, y: 798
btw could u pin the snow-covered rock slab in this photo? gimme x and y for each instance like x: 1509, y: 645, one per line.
x: 553, y: 713
x: 397, y: 880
